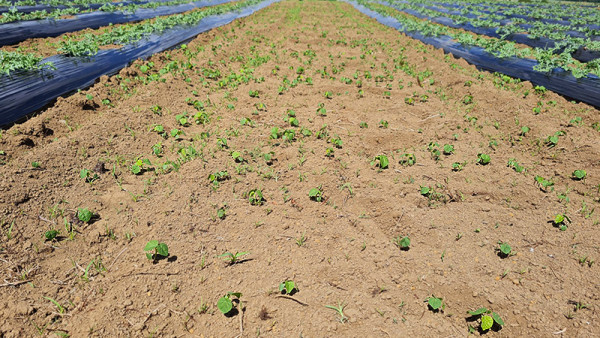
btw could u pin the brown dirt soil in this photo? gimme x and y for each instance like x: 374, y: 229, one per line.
x: 337, y: 250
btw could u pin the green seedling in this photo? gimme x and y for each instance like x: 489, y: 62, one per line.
x: 321, y: 110
x: 512, y: 163
x: 84, y: 215
x: 487, y: 318
x: 524, y: 130
x: 237, y: 157
x: 504, y: 250
x: 329, y: 152
x: 60, y: 308
x: 381, y: 161
x: 408, y: 159
x: 384, y: 124
x: 316, y: 194
x: 543, y: 183
x: 160, y: 249
x: 139, y: 166
x: 328, y: 95
x: 435, y: 304
x: 561, y: 221
x: 402, y: 243
x: 225, y: 303
x: 336, y: 141
x: 363, y: 125
x: 552, y: 140
x: 457, y: 166
x: 579, y: 175
x: 51, y: 234
x: 288, y: 287
x: 233, y: 258
x: 88, y: 176
x: 255, y: 196
x: 448, y: 149
x: 425, y: 191
x: 340, y: 310
x: 483, y: 159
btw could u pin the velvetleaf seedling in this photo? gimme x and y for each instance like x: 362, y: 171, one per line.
x: 402, y: 242
x: 561, y: 221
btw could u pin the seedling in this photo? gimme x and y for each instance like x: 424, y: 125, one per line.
x: 457, y: 166
x: 288, y: 287
x: 524, y: 130
x: 435, y: 304
x: 384, y: 124
x: 483, y: 159
x: 225, y: 303
x: 255, y: 196
x: 237, y: 156
x: 160, y: 249
x: 84, y: 215
x: 233, y: 258
x: 487, y: 318
x: 561, y: 221
x: 552, y: 140
x: 336, y: 141
x: 408, y: 159
x: 579, y: 175
x: 504, y: 250
x: 329, y: 152
x: 316, y: 194
x: 448, y: 149
x: 340, y: 310
x: 381, y: 161
x: 512, y: 163
x: 88, y: 176
x: 543, y: 183
x: 51, y: 234
x: 403, y: 243
x: 138, y: 167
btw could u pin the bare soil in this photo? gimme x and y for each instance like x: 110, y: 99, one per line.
x: 339, y: 250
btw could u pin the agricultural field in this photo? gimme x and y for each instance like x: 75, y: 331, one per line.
x: 299, y: 168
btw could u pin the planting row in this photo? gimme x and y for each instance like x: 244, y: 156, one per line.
x: 563, y: 75
x: 62, y: 74
x: 15, y: 32
x: 582, y: 41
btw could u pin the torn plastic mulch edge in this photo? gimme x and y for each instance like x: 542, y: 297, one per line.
x: 580, y: 54
x: 23, y: 94
x: 15, y: 32
x: 586, y: 90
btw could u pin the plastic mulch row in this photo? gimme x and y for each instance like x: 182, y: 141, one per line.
x: 25, y: 93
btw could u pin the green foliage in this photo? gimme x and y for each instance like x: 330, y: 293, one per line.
x: 84, y: 215
x: 50, y: 234
x: 255, y: 196
x: 408, y: 159
x: 435, y: 304
x: 160, y: 249
x: 11, y: 62
x: 487, y: 318
x: 287, y: 287
x: 225, y: 303
x: 483, y: 159
x: 233, y: 258
x: 402, y: 242
x: 88, y: 175
x: 579, y: 175
x: 381, y: 161
x: 316, y: 194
